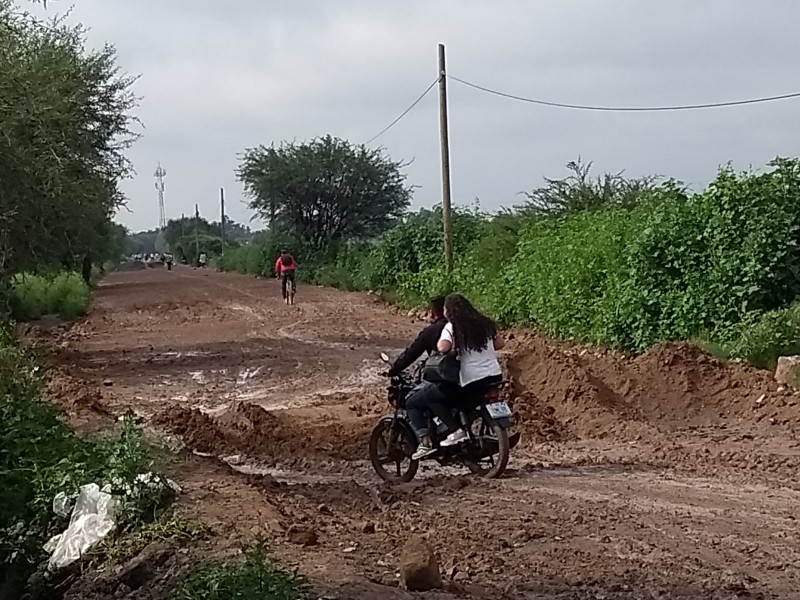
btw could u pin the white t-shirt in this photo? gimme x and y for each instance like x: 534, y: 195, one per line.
x: 474, y: 365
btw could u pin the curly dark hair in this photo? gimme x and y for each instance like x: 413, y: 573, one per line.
x: 471, y: 329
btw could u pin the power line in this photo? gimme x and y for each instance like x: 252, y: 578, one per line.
x: 404, y: 113
x: 625, y: 108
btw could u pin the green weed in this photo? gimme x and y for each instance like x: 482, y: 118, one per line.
x: 121, y: 548
x: 63, y: 294
x: 258, y: 577
x: 40, y: 457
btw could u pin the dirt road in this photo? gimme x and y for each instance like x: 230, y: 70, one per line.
x: 666, y: 476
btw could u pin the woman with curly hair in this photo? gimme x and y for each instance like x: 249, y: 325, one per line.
x: 476, y: 338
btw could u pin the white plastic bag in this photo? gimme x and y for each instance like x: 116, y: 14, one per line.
x: 93, y: 518
x: 62, y: 504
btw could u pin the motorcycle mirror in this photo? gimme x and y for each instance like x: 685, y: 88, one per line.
x: 384, y: 357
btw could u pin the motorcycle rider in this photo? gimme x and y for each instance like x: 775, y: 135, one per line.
x: 477, y: 339
x: 426, y: 340
x: 426, y: 396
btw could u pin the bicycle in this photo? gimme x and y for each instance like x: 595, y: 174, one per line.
x: 288, y: 291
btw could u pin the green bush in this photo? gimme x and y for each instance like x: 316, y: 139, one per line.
x: 41, y: 457
x: 714, y: 260
x: 629, y: 269
x: 761, y: 339
x: 257, y: 257
x: 255, y: 578
x: 63, y: 294
x: 68, y: 295
x: 29, y: 297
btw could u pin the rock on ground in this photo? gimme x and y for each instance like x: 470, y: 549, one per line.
x: 787, y: 370
x: 419, y: 568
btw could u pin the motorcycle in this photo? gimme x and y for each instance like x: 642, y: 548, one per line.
x: 486, y: 419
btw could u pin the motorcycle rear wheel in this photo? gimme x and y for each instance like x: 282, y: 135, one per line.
x: 392, y: 443
x: 489, y: 432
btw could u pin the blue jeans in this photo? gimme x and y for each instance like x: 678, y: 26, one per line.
x: 428, y: 397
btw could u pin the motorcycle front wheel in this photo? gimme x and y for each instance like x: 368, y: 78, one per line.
x: 391, y: 445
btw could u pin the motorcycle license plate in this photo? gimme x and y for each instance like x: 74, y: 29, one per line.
x: 499, y: 410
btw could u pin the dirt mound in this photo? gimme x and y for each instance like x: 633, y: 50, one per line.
x: 564, y: 392
x: 251, y: 430
x: 133, y: 265
x: 197, y: 430
x: 693, y: 388
x: 74, y: 395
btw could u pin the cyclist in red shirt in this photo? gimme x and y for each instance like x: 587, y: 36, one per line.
x: 285, y: 268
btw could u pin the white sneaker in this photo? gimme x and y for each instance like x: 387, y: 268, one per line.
x: 454, y: 438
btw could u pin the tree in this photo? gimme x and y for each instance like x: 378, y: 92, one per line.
x: 65, y: 124
x: 143, y: 242
x: 578, y: 192
x: 325, y: 190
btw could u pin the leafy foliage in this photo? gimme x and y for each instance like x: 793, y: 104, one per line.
x: 41, y: 457
x: 171, y: 527
x: 762, y: 338
x: 256, y: 578
x: 615, y: 262
x: 65, y: 123
x: 324, y: 191
x: 579, y: 192
x: 145, y: 242
x: 63, y: 294
x: 258, y: 257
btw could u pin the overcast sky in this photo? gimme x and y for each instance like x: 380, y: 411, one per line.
x: 220, y: 76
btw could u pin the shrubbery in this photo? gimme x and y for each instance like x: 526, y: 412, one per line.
x: 40, y: 456
x: 656, y: 263
x: 257, y: 577
x: 63, y: 294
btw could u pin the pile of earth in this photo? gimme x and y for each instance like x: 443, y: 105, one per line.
x: 133, y: 265
x: 565, y: 392
x: 72, y: 394
x: 271, y: 435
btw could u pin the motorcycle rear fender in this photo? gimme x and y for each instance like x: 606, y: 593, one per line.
x: 505, y: 423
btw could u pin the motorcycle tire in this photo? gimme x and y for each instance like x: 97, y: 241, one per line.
x: 500, y: 461
x: 402, y: 442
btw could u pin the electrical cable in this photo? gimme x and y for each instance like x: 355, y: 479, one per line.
x: 404, y: 113
x: 625, y: 108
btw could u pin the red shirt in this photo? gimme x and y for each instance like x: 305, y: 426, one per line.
x: 281, y: 268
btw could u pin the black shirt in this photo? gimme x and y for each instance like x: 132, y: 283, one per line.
x: 426, y: 342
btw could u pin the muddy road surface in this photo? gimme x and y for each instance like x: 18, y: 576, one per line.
x: 670, y: 475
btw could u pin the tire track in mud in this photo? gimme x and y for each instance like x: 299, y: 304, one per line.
x: 327, y: 406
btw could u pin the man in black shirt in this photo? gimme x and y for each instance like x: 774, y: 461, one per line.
x: 426, y: 340
x: 426, y: 396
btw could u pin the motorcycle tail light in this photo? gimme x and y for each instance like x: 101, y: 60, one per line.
x: 492, y: 394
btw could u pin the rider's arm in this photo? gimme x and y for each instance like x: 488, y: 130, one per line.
x: 445, y: 343
x: 278, y: 267
x: 415, y: 350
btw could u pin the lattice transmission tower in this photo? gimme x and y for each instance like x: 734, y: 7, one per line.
x: 160, y: 173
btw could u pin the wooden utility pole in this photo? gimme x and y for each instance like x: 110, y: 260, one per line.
x: 444, y: 138
x: 222, y: 217
x: 196, y: 236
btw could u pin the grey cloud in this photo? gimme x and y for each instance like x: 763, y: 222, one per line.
x: 218, y: 77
